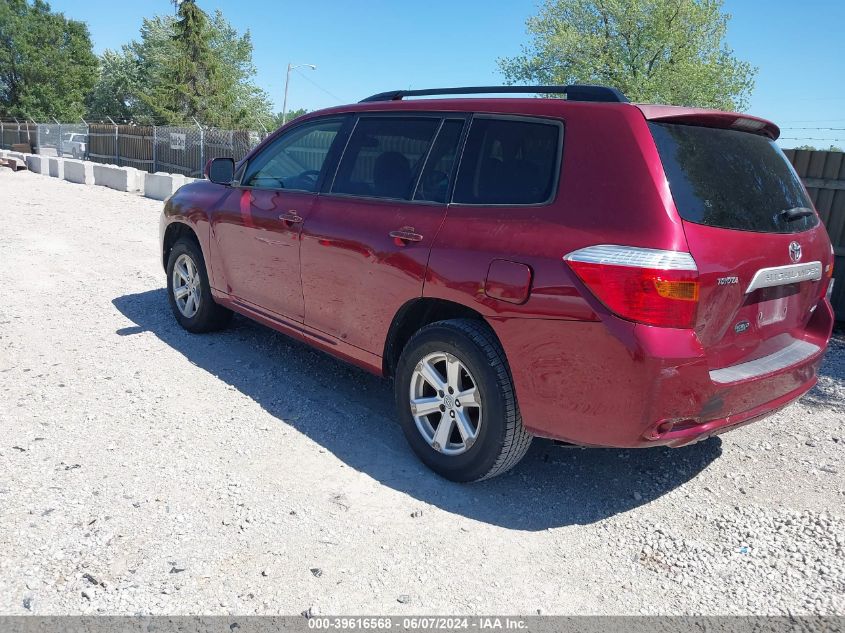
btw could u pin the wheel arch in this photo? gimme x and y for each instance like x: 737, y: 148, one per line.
x: 414, y: 315
x: 173, y: 233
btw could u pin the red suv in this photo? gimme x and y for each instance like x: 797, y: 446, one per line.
x: 583, y: 269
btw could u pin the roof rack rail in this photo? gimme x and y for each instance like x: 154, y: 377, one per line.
x: 574, y: 92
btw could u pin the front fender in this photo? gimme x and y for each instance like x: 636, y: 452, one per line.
x: 191, y: 207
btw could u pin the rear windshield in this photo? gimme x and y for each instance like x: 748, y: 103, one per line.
x: 731, y: 179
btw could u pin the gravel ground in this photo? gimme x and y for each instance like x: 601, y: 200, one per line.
x: 146, y: 470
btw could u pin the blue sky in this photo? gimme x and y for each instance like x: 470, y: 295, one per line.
x: 365, y: 47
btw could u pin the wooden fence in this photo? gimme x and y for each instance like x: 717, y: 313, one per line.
x: 14, y: 133
x: 823, y: 174
x: 181, y: 150
x: 126, y: 145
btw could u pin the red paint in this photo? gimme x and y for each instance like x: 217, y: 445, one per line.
x: 355, y: 275
x: 742, y: 254
x: 338, y: 278
x: 508, y: 281
x: 256, y: 251
x: 608, y: 383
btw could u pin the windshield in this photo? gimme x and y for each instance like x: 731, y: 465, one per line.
x: 732, y: 179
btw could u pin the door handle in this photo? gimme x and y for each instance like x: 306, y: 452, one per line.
x: 406, y: 234
x: 291, y: 217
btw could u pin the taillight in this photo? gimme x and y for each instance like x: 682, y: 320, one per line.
x: 827, y: 284
x: 645, y: 285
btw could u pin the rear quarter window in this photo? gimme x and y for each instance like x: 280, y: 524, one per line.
x: 509, y: 162
x: 731, y: 179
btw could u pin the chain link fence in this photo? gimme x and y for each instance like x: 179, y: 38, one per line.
x: 174, y: 149
x: 62, y: 139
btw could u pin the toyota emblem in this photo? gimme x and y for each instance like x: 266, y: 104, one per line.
x: 795, y: 252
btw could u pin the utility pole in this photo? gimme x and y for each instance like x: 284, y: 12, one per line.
x: 287, y: 81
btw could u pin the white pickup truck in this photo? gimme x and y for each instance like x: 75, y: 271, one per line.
x: 76, y: 144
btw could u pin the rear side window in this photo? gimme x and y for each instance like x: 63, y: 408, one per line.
x: 731, y: 179
x: 384, y: 156
x: 509, y: 162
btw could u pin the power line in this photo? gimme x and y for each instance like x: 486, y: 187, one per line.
x: 834, y: 129
x: 810, y: 138
x: 319, y: 87
x: 814, y: 121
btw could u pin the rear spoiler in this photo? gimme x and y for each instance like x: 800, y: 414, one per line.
x: 710, y: 118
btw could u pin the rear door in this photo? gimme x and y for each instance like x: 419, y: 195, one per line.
x: 365, y: 246
x: 761, y: 251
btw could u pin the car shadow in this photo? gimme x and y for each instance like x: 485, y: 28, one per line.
x: 824, y: 394
x: 313, y: 392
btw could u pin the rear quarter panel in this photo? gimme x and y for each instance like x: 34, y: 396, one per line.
x: 563, y: 347
x: 611, y: 191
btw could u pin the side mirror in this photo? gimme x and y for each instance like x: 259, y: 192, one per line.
x: 220, y: 170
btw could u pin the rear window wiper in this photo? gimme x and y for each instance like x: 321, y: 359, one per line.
x: 796, y: 213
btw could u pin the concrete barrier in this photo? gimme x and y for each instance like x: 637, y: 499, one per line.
x: 37, y: 164
x: 161, y: 185
x: 118, y: 178
x: 158, y: 186
x: 79, y: 171
x: 56, y: 167
x: 12, y: 163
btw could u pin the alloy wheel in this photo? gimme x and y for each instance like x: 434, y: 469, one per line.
x: 187, y: 288
x: 445, y: 403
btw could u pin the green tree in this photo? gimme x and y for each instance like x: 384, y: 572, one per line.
x: 292, y: 114
x: 832, y: 148
x: 249, y: 104
x: 663, y: 51
x: 47, y: 65
x: 194, y: 87
x: 139, y: 82
x: 116, y: 91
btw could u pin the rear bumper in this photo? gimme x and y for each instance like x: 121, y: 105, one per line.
x: 614, y: 383
x: 685, y: 432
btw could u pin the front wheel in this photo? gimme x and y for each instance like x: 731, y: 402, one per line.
x: 189, y: 291
x: 456, y: 401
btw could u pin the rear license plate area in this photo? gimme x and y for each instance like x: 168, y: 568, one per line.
x: 774, y: 304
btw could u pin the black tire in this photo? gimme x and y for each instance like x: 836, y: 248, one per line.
x: 502, y: 441
x: 209, y: 316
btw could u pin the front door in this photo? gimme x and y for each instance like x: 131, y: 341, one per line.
x: 366, y: 242
x: 257, y: 227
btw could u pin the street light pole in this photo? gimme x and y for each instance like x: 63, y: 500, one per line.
x: 287, y: 81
